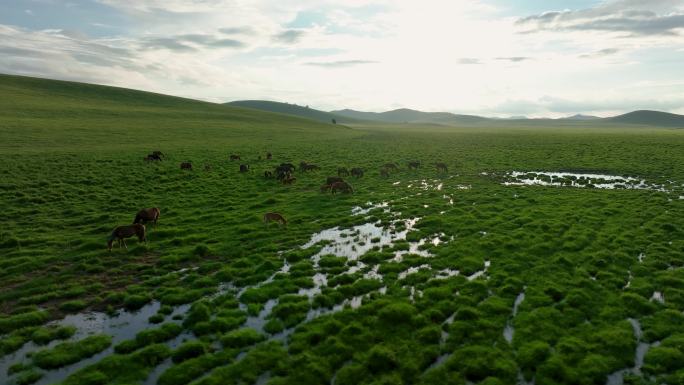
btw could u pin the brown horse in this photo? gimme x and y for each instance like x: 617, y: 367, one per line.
x: 343, y: 187
x: 147, y: 215
x: 275, y: 217
x: 441, y: 167
x: 235, y: 157
x: 333, y: 179
x: 357, y: 172
x: 186, y: 166
x: 120, y: 234
x: 413, y: 165
x: 342, y: 171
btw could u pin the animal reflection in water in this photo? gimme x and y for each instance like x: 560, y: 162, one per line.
x: 122, y: 232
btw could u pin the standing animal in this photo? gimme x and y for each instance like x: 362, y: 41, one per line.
x: 158, y: 154
x: 413, y: 165
x: 343, y: 187
x: 325, y: 188
x: 441, y: 167
x: 333, y: 179
x: 275, y: 217
x: 235, y: 157
x: 268, y: 174
x: 269, y: 156
x: 384, y: 173
x: 288, y: 166
x: 282, y: 172
x: 147, y: 215
x: 120, y: 234
x: 244, y: 167
x: 186, y: 166
x: 357, y: 172
x: 391, y: 167
x: 342, y: 171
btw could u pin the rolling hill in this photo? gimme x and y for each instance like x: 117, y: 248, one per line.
x: 405, y: 115
x: 40, y: 113
x: 293, y: 109
x: 649, y: 118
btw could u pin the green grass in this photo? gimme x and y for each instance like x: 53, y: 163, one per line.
x: 73, y: 170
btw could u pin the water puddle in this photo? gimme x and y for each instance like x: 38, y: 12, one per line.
x: 569, y: 179
x: 369, y: 206
x: 658, y: 297
x: 480, y: 273
x: 412, y: 270
x: 642, y: 348
x: 509, y: 330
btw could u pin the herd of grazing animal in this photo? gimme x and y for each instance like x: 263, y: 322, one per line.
x: 283, y: 173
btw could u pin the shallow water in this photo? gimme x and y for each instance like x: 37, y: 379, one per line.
x: 579, y: 180
x: 509, y: 329
x: 642, y: 348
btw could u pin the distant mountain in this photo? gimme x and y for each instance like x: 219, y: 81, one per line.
x: 292, y: 109
x: 405, y: 115
x: 649, y: 118
x: 581, y: 117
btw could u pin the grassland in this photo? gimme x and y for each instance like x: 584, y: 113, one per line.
x: 73, y: 169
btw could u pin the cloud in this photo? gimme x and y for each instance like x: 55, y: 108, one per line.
x: 633, y: 17
x: 237, y: 31
x: 514, y: 59
x: 290, y: 36
x: 469, y: 61
x: 190, y: 42
x: 340, y: 63
x: 600, y: 53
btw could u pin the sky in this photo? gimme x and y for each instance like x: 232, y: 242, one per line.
x: 501, y: 58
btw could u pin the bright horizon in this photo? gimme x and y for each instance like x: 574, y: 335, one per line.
x: 490, y: 57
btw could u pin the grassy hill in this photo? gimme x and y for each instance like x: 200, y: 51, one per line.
x: 649, y: 118
x: 293, y: 109
x: 42, y: 113
x: 405, y: 115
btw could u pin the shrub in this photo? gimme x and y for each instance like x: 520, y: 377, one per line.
x: 70, y: 352
x: 190, y: 349
x: 241, y: 338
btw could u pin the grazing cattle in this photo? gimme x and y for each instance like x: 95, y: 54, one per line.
x: 147, y: 215
x: 120, y: 234
x: 333, y: 179
x: 342, y: 171
x: 186, y: 166
x: 384, y: 173
x: 289, y: 180
x: 275, y: 217
x: 268, y: 174
x: 357, y: 172
x: 310, y: 167
x: 441, y: 167
x: 269, y: 156
x: 325, y: 188
x: 235, y: 157
x: 391, y: 167
x: 244, y: 167
x: 343, y: 187
x: 413, y: 165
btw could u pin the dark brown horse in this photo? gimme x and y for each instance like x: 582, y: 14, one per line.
x: 357, y: 172
x: 120, y: 234
x: 275, y: 217
x: 158, y: 154
x: 343, y: 187
x: 186, y: 166
x: 147, y: 215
